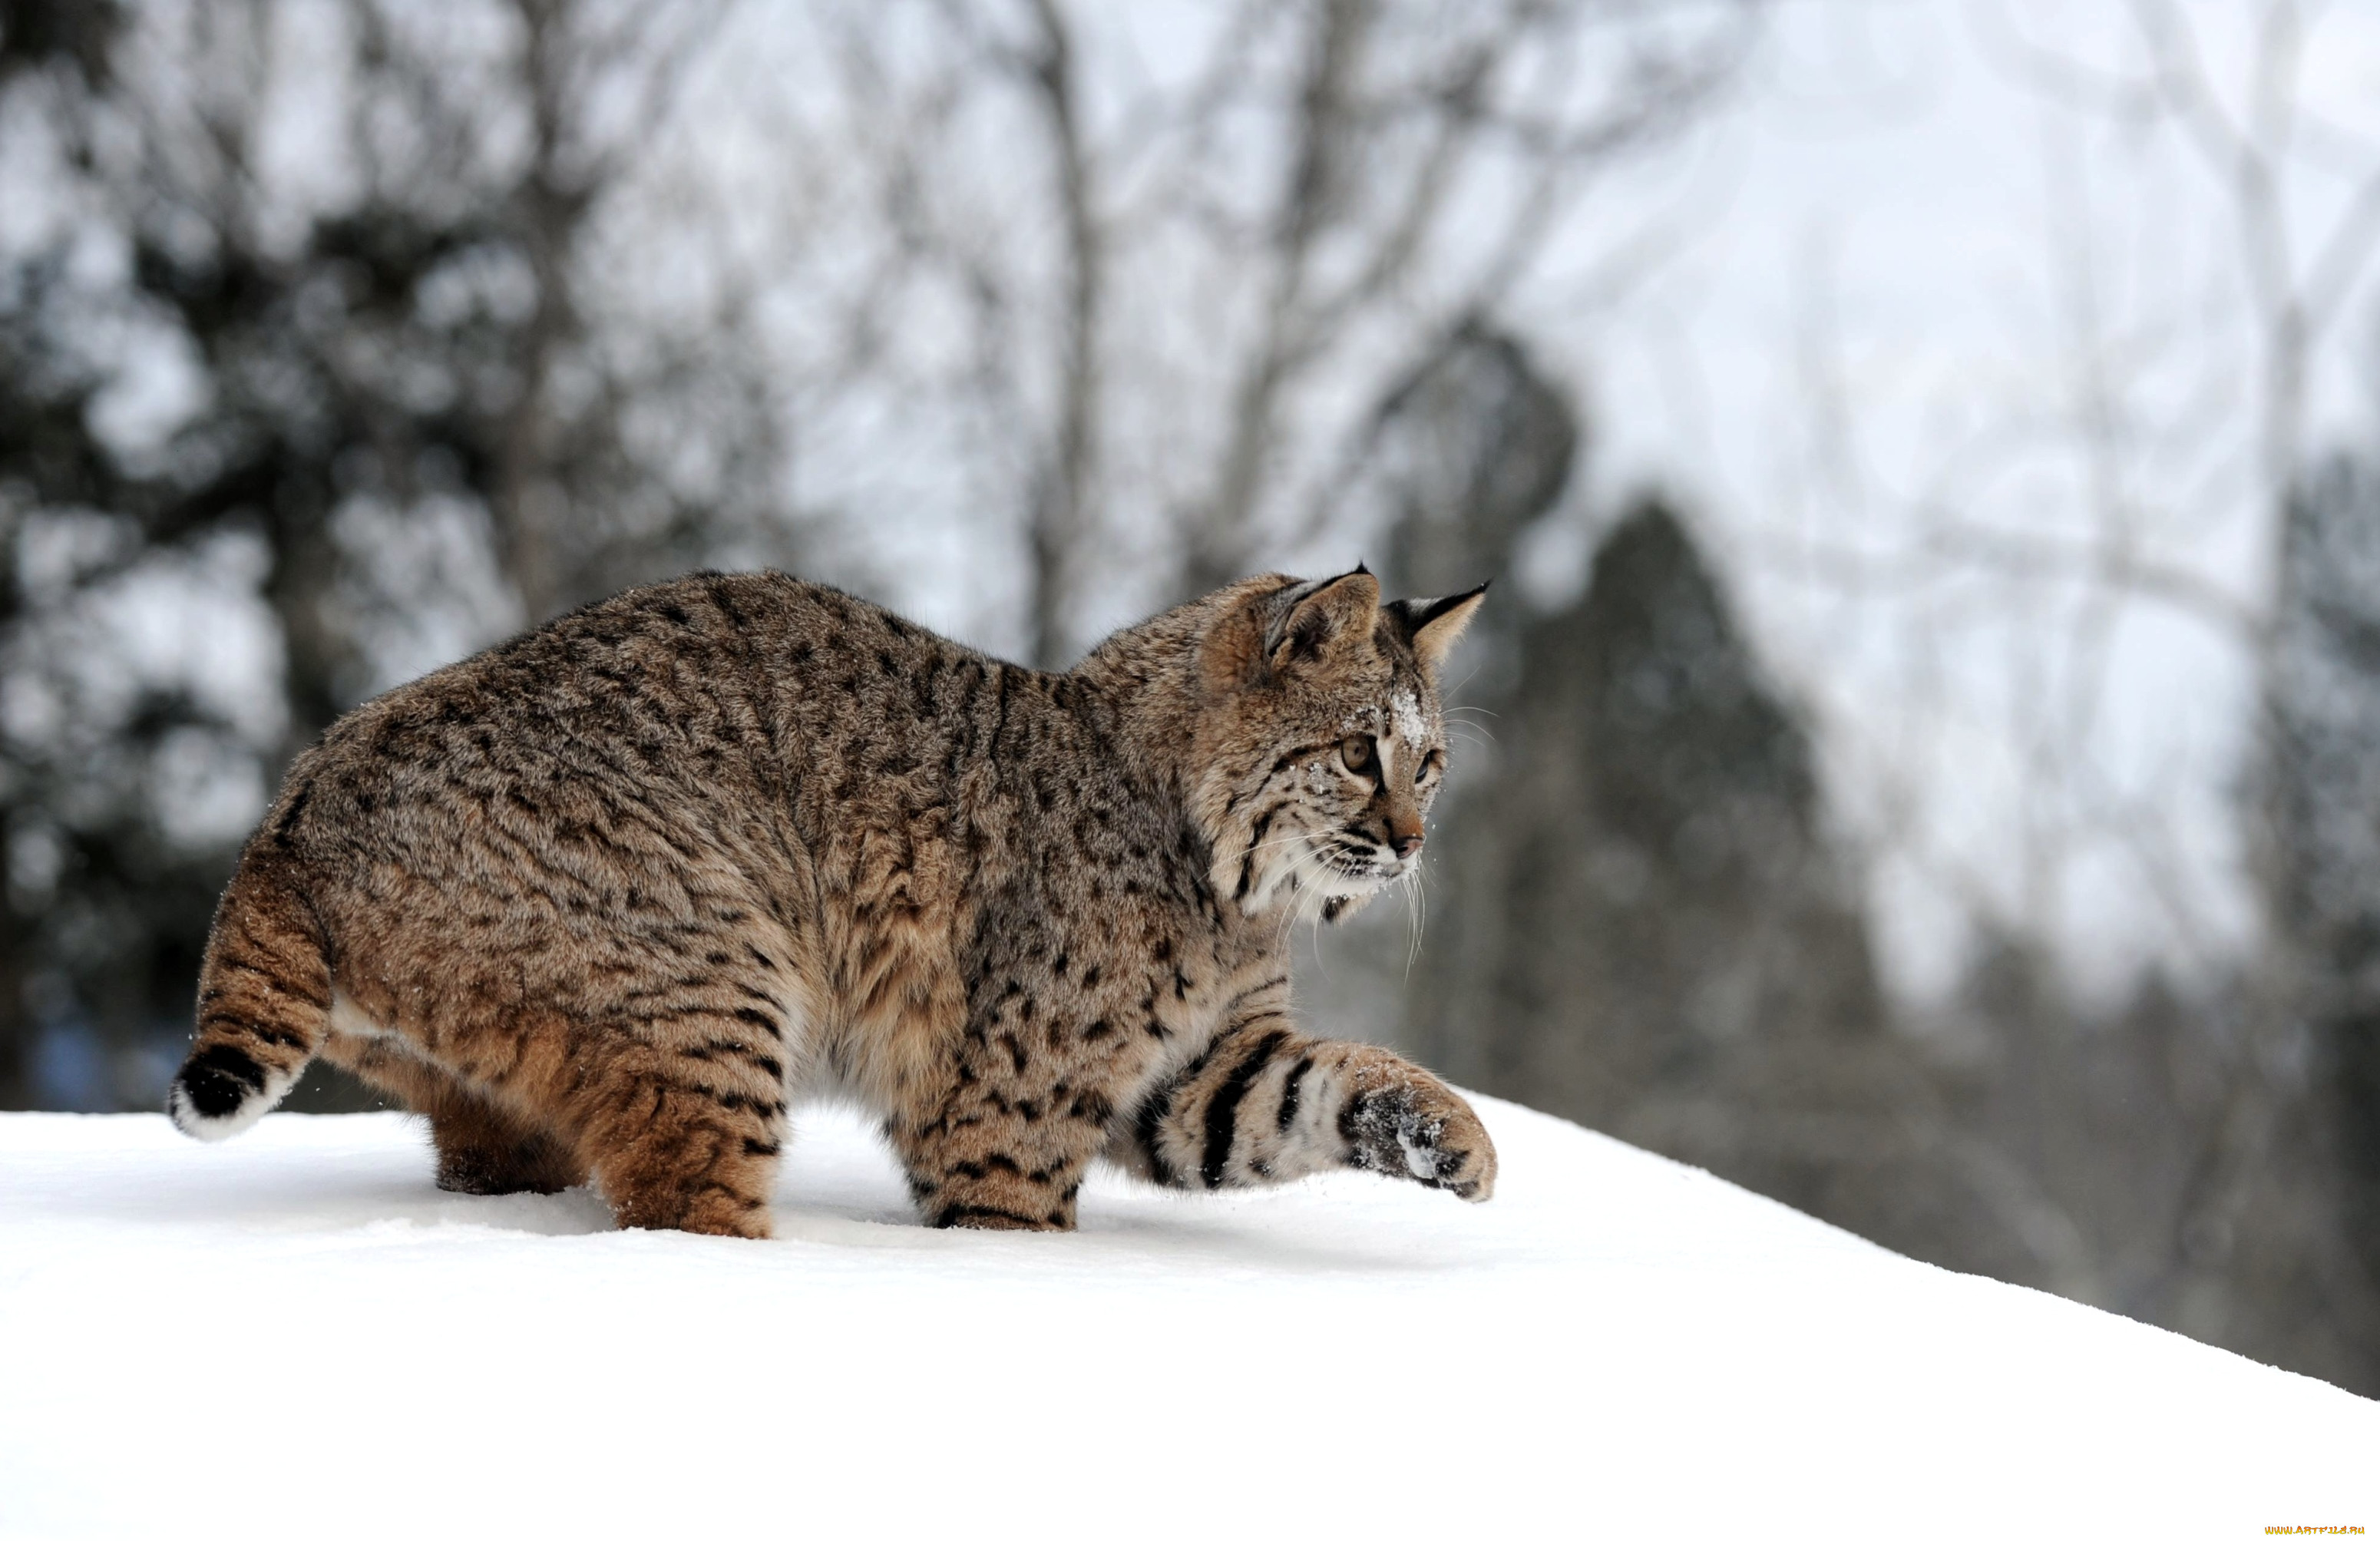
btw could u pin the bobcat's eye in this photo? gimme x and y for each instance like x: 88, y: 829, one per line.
x: 1428, y: 766
x: 1355, y: 749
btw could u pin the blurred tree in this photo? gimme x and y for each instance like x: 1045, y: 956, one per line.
x: 1642, y: 922
x: 2082, y: 1129
x: 1647, y: 928
x: 384, y: 411
x: 392, y: 330
x: 2319, y: 781
x: 1468, y: 450
x: 61, y: 47
x: 41, y: 35
x: 1168, y: 319
x: 2189, y: 1156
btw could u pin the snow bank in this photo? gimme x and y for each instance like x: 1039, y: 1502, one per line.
x: 296, y: 1333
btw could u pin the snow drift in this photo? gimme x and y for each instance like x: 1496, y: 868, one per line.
x: 296, y: 1333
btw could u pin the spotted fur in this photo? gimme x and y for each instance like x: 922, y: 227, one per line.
x: 604, y: 901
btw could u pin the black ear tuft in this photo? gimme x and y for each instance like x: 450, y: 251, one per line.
x: 1432, y: 625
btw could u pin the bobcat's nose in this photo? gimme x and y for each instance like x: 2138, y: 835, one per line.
x: 1405, y: 845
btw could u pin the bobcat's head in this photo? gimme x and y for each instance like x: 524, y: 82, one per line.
x: 1321, y: 742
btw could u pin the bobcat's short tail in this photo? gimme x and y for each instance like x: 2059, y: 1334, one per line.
x: 265, y: 1007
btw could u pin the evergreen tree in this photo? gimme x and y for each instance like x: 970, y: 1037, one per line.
x: 2320, y: 787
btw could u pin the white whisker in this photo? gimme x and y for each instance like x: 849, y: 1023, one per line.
x: 1311, y: 898
x: 1416, y: 917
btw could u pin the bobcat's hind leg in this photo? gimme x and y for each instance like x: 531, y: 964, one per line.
x: 679, y: 1153
x: 482, y: 1147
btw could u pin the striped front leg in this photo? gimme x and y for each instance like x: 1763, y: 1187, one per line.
x: 1264, y: 1104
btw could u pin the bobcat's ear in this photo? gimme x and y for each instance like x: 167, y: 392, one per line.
x: 1231, y: 657
x: 1330, y: 613
x: 1432, y: 625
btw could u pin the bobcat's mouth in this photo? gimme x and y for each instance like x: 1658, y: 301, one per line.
x: 1358, y: 864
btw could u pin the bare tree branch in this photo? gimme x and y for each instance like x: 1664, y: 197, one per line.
x: 1060, y: 521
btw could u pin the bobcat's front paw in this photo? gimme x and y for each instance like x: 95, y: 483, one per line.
x: 1418, y: 1129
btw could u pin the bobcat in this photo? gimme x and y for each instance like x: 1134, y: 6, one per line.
x: 601, y: 901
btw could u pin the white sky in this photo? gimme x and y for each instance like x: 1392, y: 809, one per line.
x: 1887, y: 205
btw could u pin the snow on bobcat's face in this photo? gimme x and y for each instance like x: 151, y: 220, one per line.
x: 1326, y: 743
x: 1354, y: 770
x: 1361, y: 814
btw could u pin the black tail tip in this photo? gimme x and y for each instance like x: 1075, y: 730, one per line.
x: 217, y: 1081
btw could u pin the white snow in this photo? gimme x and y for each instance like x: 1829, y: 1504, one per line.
x: 1421, y: 1160
x: 295, y: 1333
